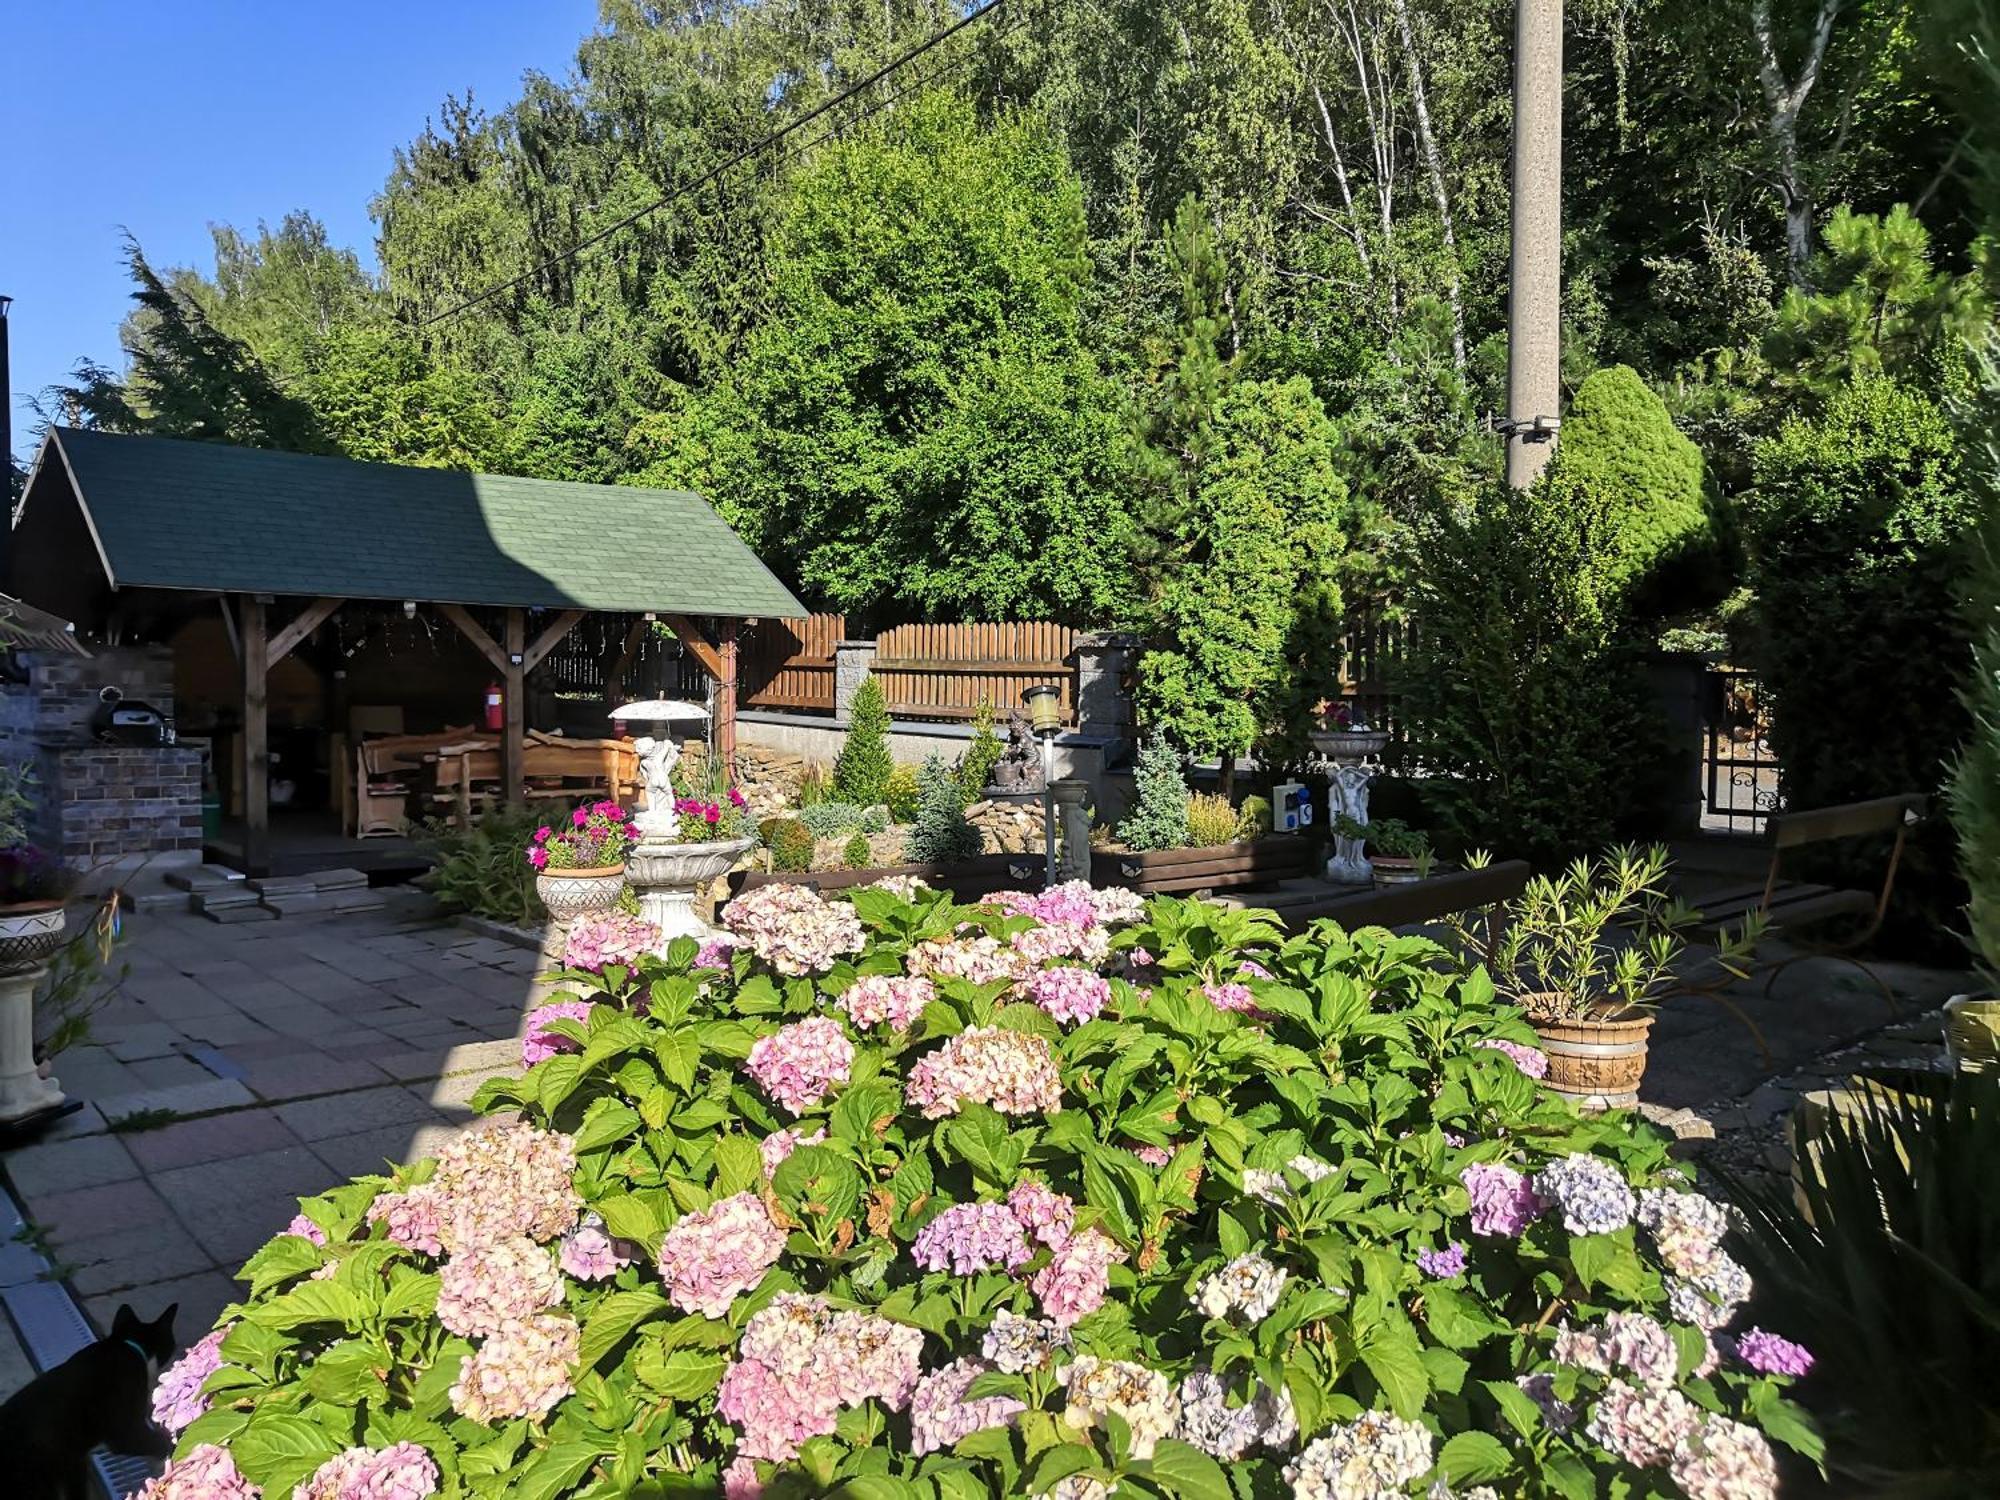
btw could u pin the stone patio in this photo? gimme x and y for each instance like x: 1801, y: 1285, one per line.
x: 304, y: 1053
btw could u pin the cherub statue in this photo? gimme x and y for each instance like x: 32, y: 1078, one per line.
x: 657, y: 759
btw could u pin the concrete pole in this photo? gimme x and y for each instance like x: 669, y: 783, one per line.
x: 1534, y: 303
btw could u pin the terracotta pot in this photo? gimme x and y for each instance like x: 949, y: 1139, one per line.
x: 569, y: 894
x: 1390, y: 869
x: 30, y: 931
x: 1596, y: 1064
x: 1972, y: 1033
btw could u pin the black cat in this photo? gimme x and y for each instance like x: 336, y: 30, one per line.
x: 101, y: 1394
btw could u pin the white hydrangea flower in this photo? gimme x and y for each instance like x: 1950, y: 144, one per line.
x: 1249, y: 1284
x: 1374, y: 1457
x: 1143, y: 1397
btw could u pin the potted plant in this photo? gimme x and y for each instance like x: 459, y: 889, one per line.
x: 33, y: 888
x: 1589, y: 995
x: 1342, y: 734
x: 580, y: 866
x: 1397, y: 853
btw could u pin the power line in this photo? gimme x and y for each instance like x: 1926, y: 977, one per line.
x: 757, y: 148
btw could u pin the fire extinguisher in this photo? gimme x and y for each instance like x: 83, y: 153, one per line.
x: 496, y: 713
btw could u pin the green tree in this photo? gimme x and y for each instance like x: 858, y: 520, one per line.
x: 380, y: 398
x: 940, y: 834
x: 861, y: 771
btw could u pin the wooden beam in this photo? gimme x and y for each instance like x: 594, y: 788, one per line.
x: 513, y: 738
x: 469, y: 628
x: 725, y: 702
x: 697, y: 642
x: 256, y: 738
x: 549, y: 639
x: 309, y: 619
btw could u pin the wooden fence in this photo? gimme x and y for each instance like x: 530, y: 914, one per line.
x: 1373, y: 648
x: 789, y: 664
x: 947, y: 671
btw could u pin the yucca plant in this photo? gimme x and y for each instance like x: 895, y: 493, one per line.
x: 1888, y: 1248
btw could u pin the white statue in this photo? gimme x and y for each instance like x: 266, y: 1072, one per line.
x: 657, y: 759
x: 1347, y: 791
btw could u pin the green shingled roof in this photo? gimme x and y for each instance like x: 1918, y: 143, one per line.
x: 208, y: 516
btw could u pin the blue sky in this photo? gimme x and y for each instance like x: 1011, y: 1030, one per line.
x: 166, y: 117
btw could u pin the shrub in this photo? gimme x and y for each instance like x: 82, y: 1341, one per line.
x: 791, y: 845
x: 1889, y: 1260
x: 857, y: 854
x: 480, y: 869
x: 901, y: 793
x: 815, y: 785
x: 975, y: 767
x: 1287, y: 1206
x: 1525, y: 700
x: 861, y: 773
x: 1255, y: 821
x: 1159, y: 816
x: 831, y: 819
x: 1861, y: 523
x: 1211, y: 819
x: 940, y: 833
x: 1619, y: 444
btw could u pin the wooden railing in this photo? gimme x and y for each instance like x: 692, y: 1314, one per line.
x: 947, y: 671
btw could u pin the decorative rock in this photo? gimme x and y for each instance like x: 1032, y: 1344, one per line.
x: 1007, y: 827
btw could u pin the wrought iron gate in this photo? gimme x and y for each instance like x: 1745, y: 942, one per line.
x: 1739, y: 772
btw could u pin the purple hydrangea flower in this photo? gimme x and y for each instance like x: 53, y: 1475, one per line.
x: 1772, y: 1354
x: 1443, y: 1264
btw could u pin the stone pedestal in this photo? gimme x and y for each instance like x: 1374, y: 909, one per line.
x: 23, y: 1091
x: 669, y: 878
x: 852, y: 662
x: 1073, y: 824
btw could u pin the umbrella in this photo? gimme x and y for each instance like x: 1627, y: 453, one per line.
x: 659, y: 708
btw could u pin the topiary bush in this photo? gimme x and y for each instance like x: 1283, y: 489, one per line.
x: 791, y: 845
x: 861, y: 771
x: 857, y: 855
x: 1159, y: 815
x: 940, y: 833
x: 888, y: 1196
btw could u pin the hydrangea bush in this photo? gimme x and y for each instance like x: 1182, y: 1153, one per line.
x: 1061, y: 1195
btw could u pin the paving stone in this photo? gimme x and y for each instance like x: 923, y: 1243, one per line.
x: 20, y: 1263
x: 302, y: 1077
x: 112, y: 1208
x: 201, y: 1299
x: 213, y: 1186
x: 217, y: 1138
x: 315, y: 1022
x: 63, y: 1166
x: 270, y: 1047
x: 232, y: 1029
x: 184, y: 1099
x: 105, y: 1263
x: 413, y: 1064
x: 95, y: 1072
x: 497, y: 1056
x: 451, y: 1096
x: 129, y: 1043
x: 372, y: 1151
x: 172, y: 1072
x: 16, y: 1369
x: 232, y: 1232
x: 349, y: 1114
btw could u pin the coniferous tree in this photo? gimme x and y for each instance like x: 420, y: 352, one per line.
x: 861, y: 772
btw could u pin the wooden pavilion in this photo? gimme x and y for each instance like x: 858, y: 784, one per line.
x: 138, y: 539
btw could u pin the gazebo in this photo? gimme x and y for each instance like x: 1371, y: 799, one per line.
x: 132, y: 537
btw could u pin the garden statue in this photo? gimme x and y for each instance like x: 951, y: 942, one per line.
x: 1347, y: 791
x: 657, y: 759
x: 1019, y: 768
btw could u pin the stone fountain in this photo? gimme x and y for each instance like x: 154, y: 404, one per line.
x: 1345, y: 752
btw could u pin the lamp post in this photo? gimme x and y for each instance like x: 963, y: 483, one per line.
x: 1045, y: 718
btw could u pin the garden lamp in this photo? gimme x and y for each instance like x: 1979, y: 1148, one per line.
x: 1045, y: 717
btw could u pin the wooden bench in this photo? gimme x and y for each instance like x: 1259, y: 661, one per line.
x: 1265, y: 861
x: 468, y: 773
x: 1786, y: 906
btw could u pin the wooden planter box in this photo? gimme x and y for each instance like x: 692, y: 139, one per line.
x: 1264, y: 861
x: 967, y: 880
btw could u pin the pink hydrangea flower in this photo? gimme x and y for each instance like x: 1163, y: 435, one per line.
x: 1642, y: 1425
x: 208, y: 1473
x: 177, y: 1398
x: 800, y: 1362
x: 538, y: 1043
x: 777, y: 1147
x: 500, y: 1180
x: 403, y: 1471
x: 415, y: 1218
x: 305, y: 1229
x: 710, y: 1258
x: 799, y: 1065
x: 792, y: 929
x: 1503, y: 1201
x: 1725, y: 1460
x: 522, y: 1371
x: 1153, y: 1156
x: 1042, y: 1211
x: 589, y: 1252
x: 979, y: 958
x: 596, y: 942
x: 969, y: 1238
x: 1231, y: 996
x: 486, y: 1287
x: 740, y: 1481
x: 1052, y: 940
x: 940, y: 1414
x: 898, y: 999
x: 1530, y: 1060
x: 716, y: 953
x: 1070, y: 995
x: 1013, y: 1071
x: 1072, y: 1285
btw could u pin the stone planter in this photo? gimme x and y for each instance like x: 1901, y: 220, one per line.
x: 29, y: 934
x: 1349, y: 744
x: 1391, y: 869
x: 1595, y: 1064
x: 569, y: 894
x: 669, y: 877
x: 1972, y: 1033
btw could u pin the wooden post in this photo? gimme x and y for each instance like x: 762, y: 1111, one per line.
x: 725, y: 702
x: 513, y: 746
x: 256, y: 738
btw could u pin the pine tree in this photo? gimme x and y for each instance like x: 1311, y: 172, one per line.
x: 1159, y: 817
x: 941, y: 833
x: 861, y: 774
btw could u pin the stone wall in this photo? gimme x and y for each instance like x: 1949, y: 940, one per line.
x: 1008, y: 827
x: 98, y: 804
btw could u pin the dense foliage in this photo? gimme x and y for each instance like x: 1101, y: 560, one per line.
x: 939, y: 834
x: 902, y: 1198
x: 861, y: 771
x: 1158, y: 818
x: 479, y: 869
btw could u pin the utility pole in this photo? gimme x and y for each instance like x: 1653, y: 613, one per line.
x: 1534, y: 283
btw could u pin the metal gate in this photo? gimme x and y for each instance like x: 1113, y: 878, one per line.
x: 1739, y: 772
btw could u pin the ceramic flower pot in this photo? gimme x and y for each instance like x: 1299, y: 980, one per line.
x: 1972, y: 1033
x: 670, y: 877
x: 569, y: 894
x: 30, y: 932
x: 1596, y: 1064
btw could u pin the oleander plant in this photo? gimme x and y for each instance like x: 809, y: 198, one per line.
x: 1066, y: 1195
